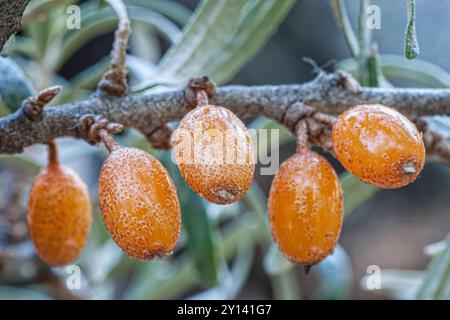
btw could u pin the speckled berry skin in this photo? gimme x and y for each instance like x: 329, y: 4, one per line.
x: 305, y: 208
x: 214, y: 152
x: 139, y: 204
x: 379, y: 146
x: 59, y: 215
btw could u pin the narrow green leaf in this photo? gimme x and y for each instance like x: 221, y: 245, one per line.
x: 259, y: 22
x: 39, y: 8
x: 171, y: 9
x: 396, y: 67
x: 234, y: 278
x: 17, y: 293
x: 435, y: 249
x: 101, y: 21
x: 14, y: 85
x: 275, y: 263
x: 203, y: 37
x: 242, y: 230
x: 202, y: 241
x: 335, y: 274
x: 436, y: 285
x: 344, y: 24
x: 355, y: 191
x: 286, y: 286
x: 412, y: 49
x: 375, y: 72
x: 364, y: 38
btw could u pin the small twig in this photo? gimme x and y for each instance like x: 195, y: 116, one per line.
x: 34, y: 106
x: 108, y: 140
x: 301, y: 133
x: 114, y: 81
x: 324, y: 118
x: 52, y: 153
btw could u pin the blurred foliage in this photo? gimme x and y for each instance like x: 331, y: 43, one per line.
x: 217, y: 249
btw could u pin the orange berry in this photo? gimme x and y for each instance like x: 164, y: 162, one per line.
x: 139, y: 203
x: 59, y: 214
x: 214, y: 152
x: 306, y: 208
x: 379, y: 146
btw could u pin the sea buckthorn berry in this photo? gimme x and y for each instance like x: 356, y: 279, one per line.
x: 59, y: 213
x: 214, y: 152
x: 305, y: 208
x: 379, y: 146
x: 139, y: 203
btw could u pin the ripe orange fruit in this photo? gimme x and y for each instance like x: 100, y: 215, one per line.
x: 379, y: 146
x: 59, y: 214
x: 305, y: 208
x: 214, y: 152
x: 139, y: 203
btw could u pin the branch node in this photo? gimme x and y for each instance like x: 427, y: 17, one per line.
x: 114, y: 81
x: 435, y: 142
x: 325, y: 119
x: 347, y: 81
x: 319, y: 134
x: 199, y: 90
x: 90, y: 126
x: 34, y: 106
x: 295, y: 112
x: 160, y: 138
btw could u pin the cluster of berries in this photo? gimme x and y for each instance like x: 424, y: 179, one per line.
x: 139, y: 201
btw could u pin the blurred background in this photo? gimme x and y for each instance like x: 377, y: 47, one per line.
x: 226, y: 252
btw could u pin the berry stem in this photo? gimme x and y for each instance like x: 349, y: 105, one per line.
x: 301, y: 132
x: 108, y: 140
x: 202, y: 98
x: 52, y: 153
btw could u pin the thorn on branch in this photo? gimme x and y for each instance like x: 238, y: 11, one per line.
x: 114, y: 81
x: 90, y: 127
x: 347, y: 81
x: 316, y: 69
x: 199, y: 90
x: 34, y: 106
